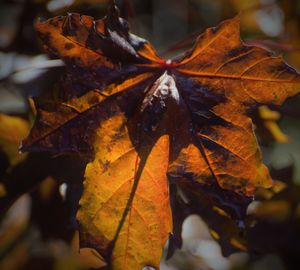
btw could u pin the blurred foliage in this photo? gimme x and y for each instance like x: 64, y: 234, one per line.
x: 39, y: 193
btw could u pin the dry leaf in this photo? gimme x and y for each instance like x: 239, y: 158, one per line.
x: 145, y: 118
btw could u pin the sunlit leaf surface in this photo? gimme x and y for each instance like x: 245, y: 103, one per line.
x: 146, y: 121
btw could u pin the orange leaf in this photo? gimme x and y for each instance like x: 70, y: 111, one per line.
x: 143, y: 119
x: 131, y: 213
x: 267, y: 123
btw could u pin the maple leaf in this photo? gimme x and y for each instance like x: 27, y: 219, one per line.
x: 148, y: 121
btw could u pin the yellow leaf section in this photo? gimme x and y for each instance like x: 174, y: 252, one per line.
x: 269, y: 120
x: 12, y: 130
x: 125, y: 204
x: 3, y: 191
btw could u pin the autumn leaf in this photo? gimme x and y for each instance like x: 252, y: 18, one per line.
x: 12, y: 130
x: 130, y: 214
x: 146, y: 121
x: 267, y: 123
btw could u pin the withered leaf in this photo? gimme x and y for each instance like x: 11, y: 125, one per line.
x: 145, y: 119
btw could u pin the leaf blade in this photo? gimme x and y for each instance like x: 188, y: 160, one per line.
x: 149, y: 212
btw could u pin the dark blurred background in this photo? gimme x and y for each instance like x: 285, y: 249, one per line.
x: 37, y: 218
